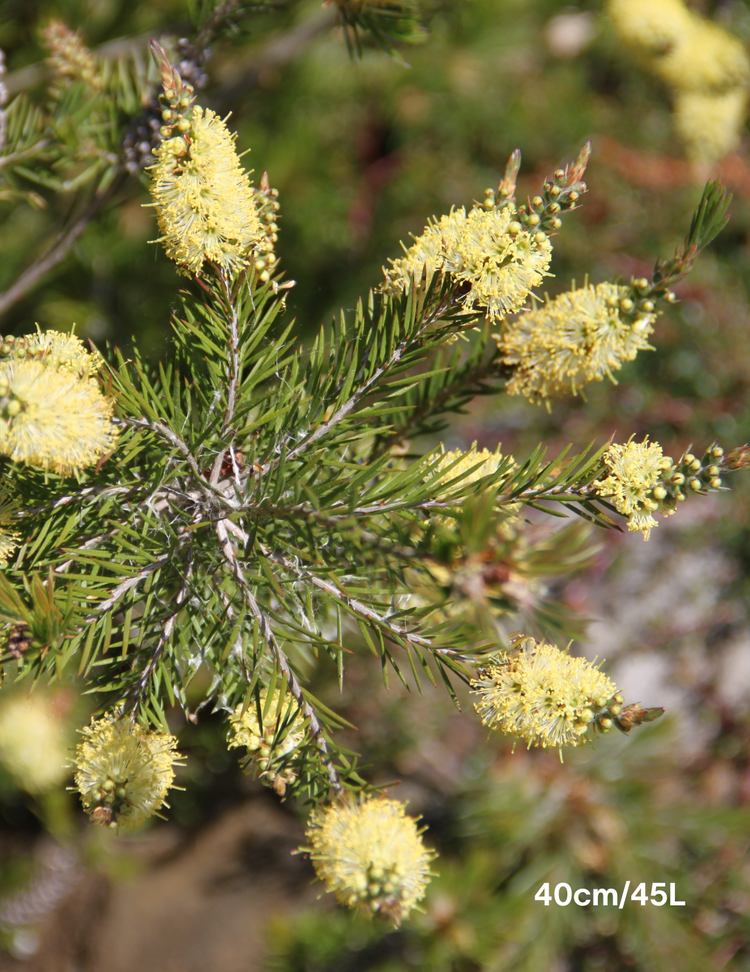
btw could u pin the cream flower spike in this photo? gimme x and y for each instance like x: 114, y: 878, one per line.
x: 371, y: 855
x: 488, y: 251
x: 203, y: 198
x: 123, y: 772
x: 564, y: 344
x: 544, y: 696
x: 53, y: 419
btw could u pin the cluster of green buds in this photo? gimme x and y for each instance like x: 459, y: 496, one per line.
x: 639, y: 304
x: 379, y: 888
x: 269, y: 765
x: 109, y: 802
x: 13, y: 347
x: 603, y: 714
x: 688, y: 475
x: 560, y: 194
x: 176, y: 99
x: 267, y: 204
x: 10, y: 406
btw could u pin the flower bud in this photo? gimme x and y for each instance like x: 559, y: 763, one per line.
x: 660, y: 493
x: 715, y: 483
x: 717, y: 452
x: 695, y: 485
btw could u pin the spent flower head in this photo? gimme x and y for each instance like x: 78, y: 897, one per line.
x: 53, y: 419
x: 544, y: 696
x: 204, y: 202
x: 581, y: 336
x: 497, y: 260
x: 33, y: 740
x: 123, y: 772
x: 371, y: 855
x: 635, y: 471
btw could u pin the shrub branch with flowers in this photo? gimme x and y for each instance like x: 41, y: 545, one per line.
x: 255, y: 508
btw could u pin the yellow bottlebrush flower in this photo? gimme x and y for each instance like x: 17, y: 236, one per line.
x: 565, y: 343
x: 8, y: 536
x: 486, y: 463
x: 652, y: 26
x: 542, y: 695
x: 51, y: 418
x: 203, y: 197
x: 69, y: 56
x: 63, y: 351
x: 371, y: 855
x: 123, y: 772
x: 488, y: 250
x: 283, y: 731
x: 710, y: 125
x: 635, y: 470
x: 704, y: 58
x: 33, y: 740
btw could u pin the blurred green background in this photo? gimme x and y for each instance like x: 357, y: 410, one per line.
x: 363, y: 151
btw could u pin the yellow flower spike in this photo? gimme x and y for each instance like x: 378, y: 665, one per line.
x: 53, y: 419
x: 635, y: 469
x: 370, y: 855
x: 263, y: 744
x: 579, y: 337
x: 33, y: 744
x: 8, y: 517
x: 203, y: 198
x: 487, y: 250
x: 123, y: 772
x: 654, y: 26
x: 541, y: 695
x: 486, y: 462
x: 63, y: 351
x: 710, y: 125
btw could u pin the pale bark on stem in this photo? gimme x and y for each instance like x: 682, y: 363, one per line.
x: 166, y: 634
x: 314, y: 726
